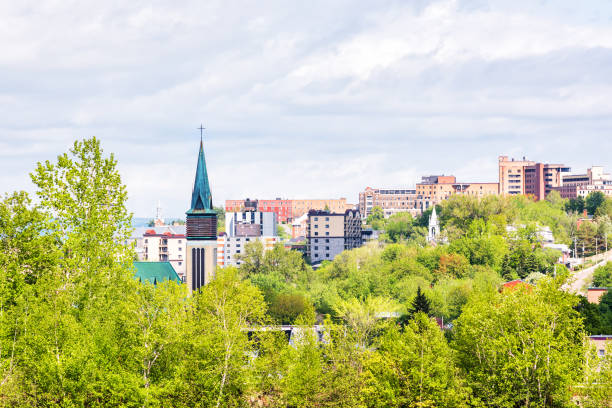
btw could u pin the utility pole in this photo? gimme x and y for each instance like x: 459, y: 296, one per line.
x: 575, y: 250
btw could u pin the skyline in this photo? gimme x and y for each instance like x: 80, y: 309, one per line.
x: 301, y: 101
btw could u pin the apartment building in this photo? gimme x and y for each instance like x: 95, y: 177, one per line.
x: 391, y: 201
x: 162, y: 244
x: 432, y: 190
x: 287, y: 210
x: 244, y: 227
x: 528, y: 177
x: 328, y: 234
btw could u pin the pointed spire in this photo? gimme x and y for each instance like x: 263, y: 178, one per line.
x: 201, y: 197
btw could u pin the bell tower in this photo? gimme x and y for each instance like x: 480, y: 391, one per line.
x: 201, y: 256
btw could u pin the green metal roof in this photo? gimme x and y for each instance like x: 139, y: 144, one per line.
x: 155, y: 272
x: 201, y: 197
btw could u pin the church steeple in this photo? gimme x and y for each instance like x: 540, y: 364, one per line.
x: 201, y: 229
x: 201, y: 197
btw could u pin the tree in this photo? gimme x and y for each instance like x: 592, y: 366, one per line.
x: 420, y: 304
x: 362, y: 316
x: 575, y: 205
x: 212, y: 370
x: 593, y: 201
x: 413, y: 368
x: 522, y: 347
x: 602, y: 277
x: 376, y: 218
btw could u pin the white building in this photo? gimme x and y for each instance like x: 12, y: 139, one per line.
x: 162, y: 244
x: 242, y: 228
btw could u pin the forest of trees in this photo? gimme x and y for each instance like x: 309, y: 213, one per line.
x: 76, y: 329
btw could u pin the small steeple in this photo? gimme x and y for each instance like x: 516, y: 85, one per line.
x: 201, y: 197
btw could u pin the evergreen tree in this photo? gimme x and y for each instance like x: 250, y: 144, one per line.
x: 420, y: 304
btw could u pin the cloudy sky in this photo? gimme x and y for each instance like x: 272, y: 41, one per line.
x: 303, y: 99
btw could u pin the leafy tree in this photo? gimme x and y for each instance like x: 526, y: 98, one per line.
x: 593, y: 201
x: 376, y: 218
x: 602, y: 277
x: 285, y: 308
x: 593, y: 323
x: 362, y: 316
x: 414, y: 367
x: 522, y: 347
x: 575, y: 205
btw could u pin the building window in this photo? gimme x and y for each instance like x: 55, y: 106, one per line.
x: 326, y: 232
x: 326, y: 218
x: 180, y: 263
x: 327, y: 255
x: 316, y: 218
x: 237, y: 251
x: 326, y: 225
x: 316, y: 248
x: 601, y: 352
x: 146, y: 241
x: 327, y: 240
x: 180, y: 241
x: 180, y: 248
x: 316, y: 233
x: 327, y: 248
x: 316, y: 226
x: 237, y: 245
x: 316, y: 240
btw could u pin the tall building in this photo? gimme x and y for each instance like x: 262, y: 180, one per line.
x: 242, y: 228
x: 528, y: 177
x: 512, y: 175
x: 328, y: 234
x: 201, y: 226
x: 391, y: 201
x: 162, y: 244
x: 432, y: 190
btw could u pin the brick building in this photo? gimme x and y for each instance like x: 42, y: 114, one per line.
x: 528, y: 177
x: 286, y: 209
x: 432, y: 190
x: 391, y: 201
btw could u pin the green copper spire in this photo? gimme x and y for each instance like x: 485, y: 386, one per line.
x: 201, y: 198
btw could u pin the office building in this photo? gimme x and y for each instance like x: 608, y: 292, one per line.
x: 288, y: 209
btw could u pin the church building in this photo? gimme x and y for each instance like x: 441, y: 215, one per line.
x: 201, y: 231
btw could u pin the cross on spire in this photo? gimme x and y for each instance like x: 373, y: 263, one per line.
x: 201, y: 131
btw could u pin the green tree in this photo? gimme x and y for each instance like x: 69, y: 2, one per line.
x: 420, y: 304
x: 522, y: 347
x: 413, y: 368
x: 602, y: 277
x: 593, y: 201
x: 575, y: 205
x: 376, y: 218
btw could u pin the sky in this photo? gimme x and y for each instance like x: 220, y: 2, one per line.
x: 314, y: 99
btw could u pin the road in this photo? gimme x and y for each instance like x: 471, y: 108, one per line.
x: 584, y: 276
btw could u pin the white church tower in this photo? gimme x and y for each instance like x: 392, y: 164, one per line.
x: 434, y: 227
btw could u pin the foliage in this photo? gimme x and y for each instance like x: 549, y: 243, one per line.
x: 522, y: 347
x: 593, y: 201
x: 602, y: 277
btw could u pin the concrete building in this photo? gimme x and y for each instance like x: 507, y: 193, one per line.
x: 432, y: 190
x: 237, y: 223
x: 391, y: 201
x: 201, y: 230
x: 529, y: 178
x: 228, y: 247
x: 328, y: 234
x: 287, y: 210
x: 299, y: 227
x: 242, y: 228
x: 594, y: 294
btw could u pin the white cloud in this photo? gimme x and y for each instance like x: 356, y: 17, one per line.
x: 302, y: 100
